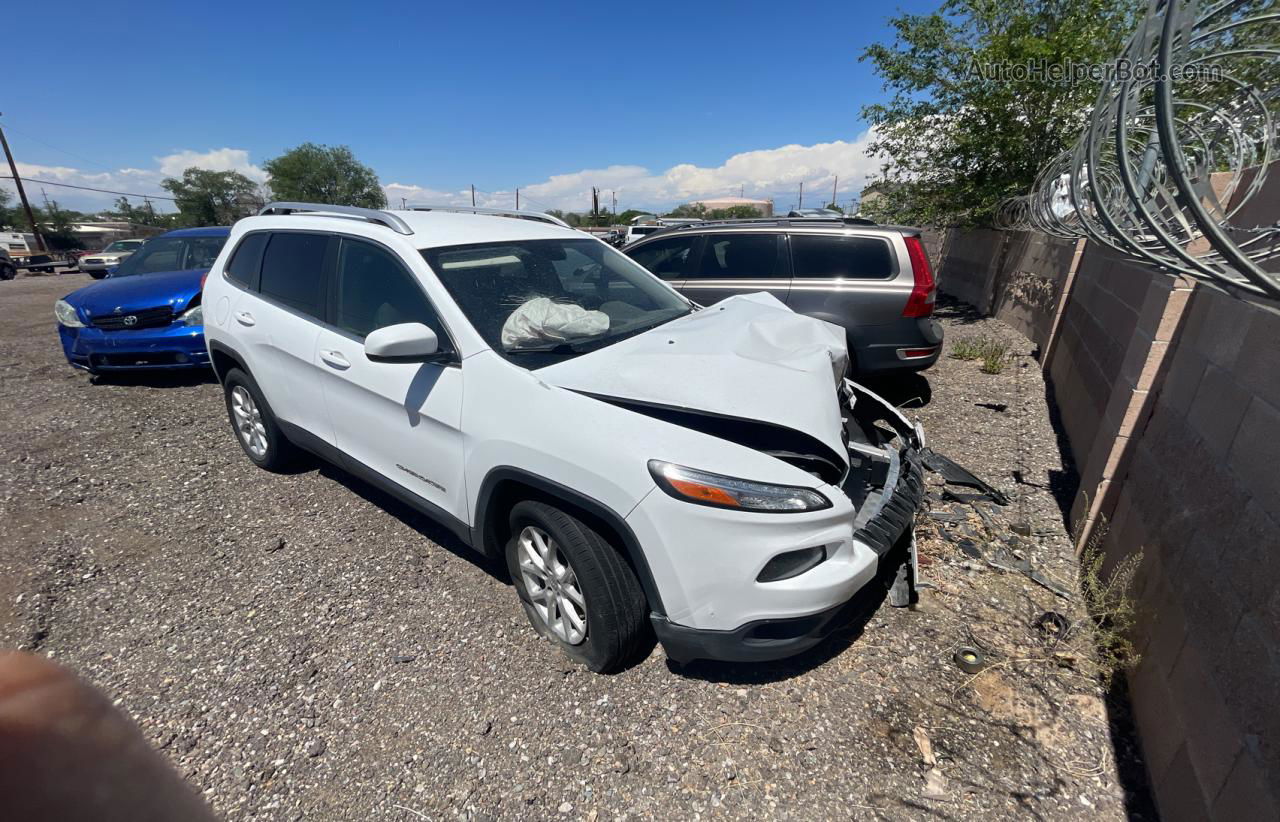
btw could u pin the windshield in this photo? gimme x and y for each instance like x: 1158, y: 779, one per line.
x: 172, y: 254
x: 122, y: 245
x: 541, y: 301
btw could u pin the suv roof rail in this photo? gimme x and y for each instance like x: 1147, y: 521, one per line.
x: 536, y: 216
x: 778, y: 221
x: 371, y: 215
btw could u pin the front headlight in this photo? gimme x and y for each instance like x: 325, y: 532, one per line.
x: 719, y: 491
x: 193, y: 316
x: 66, y: 314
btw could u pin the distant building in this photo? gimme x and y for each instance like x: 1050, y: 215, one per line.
x: 97, y: 234
x: 765, y: 207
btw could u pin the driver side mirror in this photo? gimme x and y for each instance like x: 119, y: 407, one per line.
x: 110, y: 271
x: 406, y: 342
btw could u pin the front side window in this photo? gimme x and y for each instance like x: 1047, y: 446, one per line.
x: 293, y: 270
x: 841, y: 257
x: 536, y: 302
x: 668, y: 258
x: 165, y: 254
x: 741, y: 256
x: 375, y: 291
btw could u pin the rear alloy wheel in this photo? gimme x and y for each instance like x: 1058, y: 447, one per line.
x: 247, y: 420
x: 576, y: 588
x: 255, y: 425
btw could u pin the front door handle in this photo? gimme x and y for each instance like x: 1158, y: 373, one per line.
x: 335, y: 359
x: 244, y: 318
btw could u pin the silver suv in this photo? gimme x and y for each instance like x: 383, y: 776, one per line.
x: 872, y: 280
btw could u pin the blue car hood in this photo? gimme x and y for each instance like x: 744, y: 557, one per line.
x: 125, y: 294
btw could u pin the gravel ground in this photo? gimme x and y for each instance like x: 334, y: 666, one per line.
x: 304, y: 647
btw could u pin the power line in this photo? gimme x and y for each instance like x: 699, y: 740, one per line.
x: 88, y: 188
x: 59, y: 150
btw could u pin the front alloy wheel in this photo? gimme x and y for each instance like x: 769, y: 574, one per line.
x: 248, y: 422
x: 552, y: 586
x: 576, y: 588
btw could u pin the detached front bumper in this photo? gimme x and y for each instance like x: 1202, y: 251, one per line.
x: 884, y: 489
x: 175, y: 346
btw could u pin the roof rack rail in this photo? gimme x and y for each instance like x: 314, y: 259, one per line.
x: 778, y: 221
x: 536, y: 216
x: 371, y: 215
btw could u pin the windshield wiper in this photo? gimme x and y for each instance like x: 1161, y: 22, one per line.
x: 559, y: 348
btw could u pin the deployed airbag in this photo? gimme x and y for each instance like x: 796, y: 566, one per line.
x: 542, y: 321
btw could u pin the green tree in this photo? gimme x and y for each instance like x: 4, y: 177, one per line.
x: 956, y: 136
x: 141, y: 215
x: 332, y: 175
x: 55, y: 227
x: 688, y: 210
x: 627, y: 216
x: 212, y: 197
x: 738, y: 212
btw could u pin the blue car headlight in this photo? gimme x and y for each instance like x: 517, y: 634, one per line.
x: 193, y: 316
x: 66, y: 314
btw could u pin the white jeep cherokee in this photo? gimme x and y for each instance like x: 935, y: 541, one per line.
x: 640, y: 463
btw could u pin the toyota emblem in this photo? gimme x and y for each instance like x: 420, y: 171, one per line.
x: 131, y: 320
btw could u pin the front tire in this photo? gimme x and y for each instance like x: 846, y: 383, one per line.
x: 576, y: 588
x: 254, y: 425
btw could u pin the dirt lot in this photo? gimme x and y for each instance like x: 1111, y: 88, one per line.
x: 305, y: 647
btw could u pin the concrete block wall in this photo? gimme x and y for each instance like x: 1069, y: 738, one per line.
x: 1168, y: 391
x: 1200, y: 499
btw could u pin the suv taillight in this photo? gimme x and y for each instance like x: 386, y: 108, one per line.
x: 920, y: 303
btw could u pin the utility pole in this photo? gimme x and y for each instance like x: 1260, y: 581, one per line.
x: 834, y: 183
x: 517, y: 199
x: 614, y: 194
x: 473, y: 195
x: 22, y: 193
x: 740, y: 190
x: 403, y: 206
x: 800, y: 205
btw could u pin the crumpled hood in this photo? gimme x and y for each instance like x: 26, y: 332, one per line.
x: 135, y: 293
x: 748, y: 356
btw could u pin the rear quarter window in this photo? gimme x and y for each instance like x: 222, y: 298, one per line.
x: 246, y: 260
x: 841, y: 257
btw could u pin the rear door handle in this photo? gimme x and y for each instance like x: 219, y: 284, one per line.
x: 335, y: 359
x: 244, y: 318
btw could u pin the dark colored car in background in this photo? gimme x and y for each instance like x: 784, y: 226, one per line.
x: 146, y: 314
x: 873, y: 280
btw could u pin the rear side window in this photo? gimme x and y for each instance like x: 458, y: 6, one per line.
x: 246, y: 260
x: 374, y: 291
x: 841, y: 258
x: 293, y: 270
x: 668, y: 258
x: 741, y: 256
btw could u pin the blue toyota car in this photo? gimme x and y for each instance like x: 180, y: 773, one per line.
x: 147, y: 313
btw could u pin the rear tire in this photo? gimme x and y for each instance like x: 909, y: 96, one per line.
x: 562, y: 568
x: 255, y: 425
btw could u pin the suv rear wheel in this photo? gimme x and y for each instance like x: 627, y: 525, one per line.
x: 255, y: 425
x: 575, y: 587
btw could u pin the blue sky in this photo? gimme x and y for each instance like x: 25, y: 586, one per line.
x: 651, y: 99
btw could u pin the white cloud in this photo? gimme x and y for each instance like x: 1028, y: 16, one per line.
x: 219, y: 159
x: 767, y: 173
x: 139, y: 181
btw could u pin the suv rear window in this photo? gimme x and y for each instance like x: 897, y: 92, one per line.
x: 843, y: 258
x: 293, y: 270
